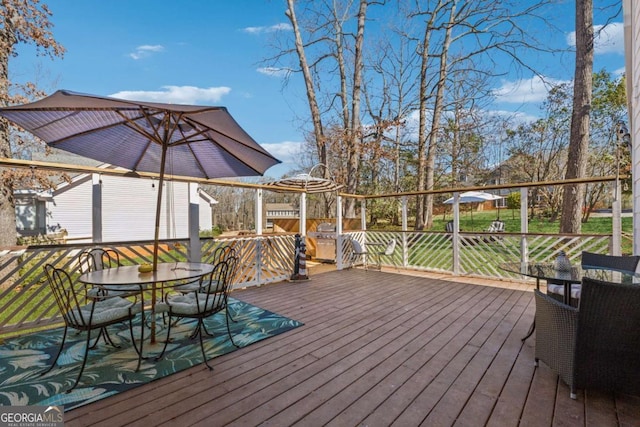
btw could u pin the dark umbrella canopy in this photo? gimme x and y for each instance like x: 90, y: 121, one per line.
x: 182, y: 140
x: 201, y: 141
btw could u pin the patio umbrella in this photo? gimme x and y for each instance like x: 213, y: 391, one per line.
x: 304, y: 181
x: 473, y: 197
x: 169, y: 139
x: 310, y: 184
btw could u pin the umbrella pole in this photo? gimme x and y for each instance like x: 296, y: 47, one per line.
x: 156, y: 236
x: 155, y: 241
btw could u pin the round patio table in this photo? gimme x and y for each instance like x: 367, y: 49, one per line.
x: 167, y: 274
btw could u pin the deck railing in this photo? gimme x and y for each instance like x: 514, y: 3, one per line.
x: 26, y: 303
x: 479, y: 254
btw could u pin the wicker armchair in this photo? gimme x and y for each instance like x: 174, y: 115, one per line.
x: 596, y: 346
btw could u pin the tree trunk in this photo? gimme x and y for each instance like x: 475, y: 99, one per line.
x: 435, y: 123
x: 421, y: 175
x: 355, y: 132
x: 8, y: 235
x: 316, y: 118
x: 573, y: 199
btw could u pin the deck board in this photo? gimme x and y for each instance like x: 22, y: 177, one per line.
x: 376, y: 349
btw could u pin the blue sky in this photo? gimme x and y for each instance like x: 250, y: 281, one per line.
x: 210, y: 52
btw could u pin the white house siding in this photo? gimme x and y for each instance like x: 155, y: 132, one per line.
x: 632, y: 54
x: 70, y: 209
x: 128, y: 210
x: 204, y: 213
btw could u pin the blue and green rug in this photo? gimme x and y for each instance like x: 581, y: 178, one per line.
x: 111, y: 370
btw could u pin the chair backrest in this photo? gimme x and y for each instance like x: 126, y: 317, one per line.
x: 357, y: 248
x: 218, y: 289
x: 67, y: 296
x: 607, y: 346
x: 625, y: 263
x: 449, y: 227
x: 391, y: 246
x: 97, y: 259
x: 496, y: 226
x: 232, y: 271
x: 221, y: 253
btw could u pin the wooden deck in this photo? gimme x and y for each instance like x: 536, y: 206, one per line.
x: 377, y: 349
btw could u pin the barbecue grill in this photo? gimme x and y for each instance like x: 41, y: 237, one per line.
x: 325, y: 236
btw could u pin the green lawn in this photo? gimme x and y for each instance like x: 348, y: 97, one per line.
x: 511, y: 219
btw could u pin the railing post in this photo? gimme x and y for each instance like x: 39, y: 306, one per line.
x: 96, y: 208
x: 195, y: 251
x: 405, y: 243
x: 258, y: 209
x: 302, y: 227
x: 259, y: 260
x: 456, y: 233
x: 524, y: 224
x: 339, y: 237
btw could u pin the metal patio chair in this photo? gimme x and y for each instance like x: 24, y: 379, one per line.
x: 206, y: 302
x: 96, y: 315
x: 358, y: 252
x: 99, y: 259
x: 387, y: 252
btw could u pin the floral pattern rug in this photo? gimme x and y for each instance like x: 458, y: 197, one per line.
x: 111, y: 370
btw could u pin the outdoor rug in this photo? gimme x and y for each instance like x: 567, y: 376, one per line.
x: 111, y: 370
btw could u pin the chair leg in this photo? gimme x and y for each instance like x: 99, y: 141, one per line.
x: 229, y: 329
x: 204, y: 355
x: 84, y: 361
x: 133, y: 340
x: 166, y: 341
x: 107, y: 339
x: 64, y: 337
x: 205, y: 330
x: 226, y: 303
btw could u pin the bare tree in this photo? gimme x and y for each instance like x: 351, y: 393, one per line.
x: 343, y: 52
x: 305, y: 69
x: 573, y: 199
x: 21, y: 21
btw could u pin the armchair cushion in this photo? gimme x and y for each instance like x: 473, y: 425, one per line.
x: 554, y: 288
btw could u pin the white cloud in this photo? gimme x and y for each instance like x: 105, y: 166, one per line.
x: 609, y: 39
x: 513, y: 116
x: 287, y: 151
x: 275, y: 72
x: 523, y: 91
x: 270, y: 29
x: 145, y: 50
x: 177, y: 95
